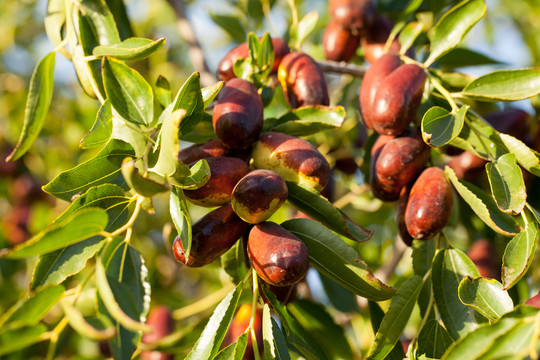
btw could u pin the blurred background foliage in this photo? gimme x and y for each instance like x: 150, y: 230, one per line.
x: 510, y: 32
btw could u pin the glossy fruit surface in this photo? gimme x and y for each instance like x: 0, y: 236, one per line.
x: 161, y: 321
x: 294, y: 159
x: 352, y: 14
x: 484, y: 255
x: 430, y: 204
x: 212, y: 235
x: 398, y: 163
x: 239, y: 325
x: 258, y: 195
x: 467, y: 166
x: 339, y: 44
x: 534, y: 301
x: 302, y: 80
x: 238, y: 114
x: 225, y: 67
x: 211, y: 148
x: 225, y: 172
x: 278, y: 256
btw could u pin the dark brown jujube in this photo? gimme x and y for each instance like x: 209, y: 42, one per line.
x: 278, y: 256
x: 161, y: 321
x: 400, y: 215
x: 353, y: 15
x: 484, y: 255
x: 339, y: 44
x: 211, y: 148
x: 391, y: 94
x: 225, y: 172
x: 398, y: 163
x: 258, y: 195
x: 302, y: 80
x: 212, y: 235
x: 238, y: 114
x: 374, y: 39
x: 225, y: 70
x: 430, y: 204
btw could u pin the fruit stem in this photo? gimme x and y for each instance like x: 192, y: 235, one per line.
x: 131, y: 221
x: 437, y: 85
x: 254, y: 314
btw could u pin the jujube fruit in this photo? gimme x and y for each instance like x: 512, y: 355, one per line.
x: 238, y: 114
x: 467, y: 166
x: 239, y: 325
x: 211, y: 148
x: 294, y: 159
x: 484, y: 255
x: 225, y: 67
x: 396, y: 97
x: 352, y: 14
x: 400, y: 216
x: 161, y: 321
x: 302, y: 80
x: 278, y: 256
x: 339, y: 44
x: 258, y: 195
x: 430, y: 204
x: 212, y: 235
x: 374, y: 39
x: 399, y: 162
x: 534, y: 301
x: 225, y: 172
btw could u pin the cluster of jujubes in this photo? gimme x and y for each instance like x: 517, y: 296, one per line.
x: 389, y: 100
x: 249, y: 171
x: 356, y: 23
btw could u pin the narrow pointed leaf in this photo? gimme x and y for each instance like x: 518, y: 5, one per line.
x: 450, y: 266
x: 460, y: 57
x: 190, y: 99
x: 485, y: 296
x: 11, y: 341
x: 525, y: 156
x: 422, y: 256
x: 103, y: 168
x: 129, y: 93
x: 79, y: 324
x: 209, y: 93
x: 505, y: 85
x: 329, y: 254
x: 233, y: 263
x: 101, y: 131
x: 103, y: 22
x: 439, y: 126
x: 319, y: 208
x: 130, y: 49
x: 409, y: 34
x: 234, y: 351
x: 275, y: 346
x: 433, y: 340
x: 162, y: 91
x: 453, y: 26
x: 142, y: 185
x: 308, y: 120
x: 181, y: 218
x: 376, y: 315
x: 37, y: 105
x: 305, y: 26
x: 518, y: 255
x: 198, y: 176
x: 212, y: 336
x: 507, y: 184
x: 484, y: 206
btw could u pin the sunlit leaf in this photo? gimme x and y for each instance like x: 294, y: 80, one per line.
x: 505, y: 85
x: 130, y: 49
x: 525, y: 156
x: 485, y: 296
x: 409, y: 34
x: 142, y: 185
x: 433, y: 340
x: 507, y: 184
x: 308, y: 120
x: 518, y: 255
x: 275, y: 346
x: 101, y: 131
x: 181, y: 218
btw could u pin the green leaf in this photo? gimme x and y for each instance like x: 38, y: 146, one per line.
x: 275, y: 346
x: 505, y: 85
x: 484, y: 206
x: 234, y: 351
x: 487, y: 146
x: 37, y: 105
x: 308, y: 120
x: 453, y: 26
x: 209, y: 93
x: 396, y: 318
x: 146, y: 186
x: 119, y: 12
x: 102, y: 21
x: 322, y: 327
x: 485, y: 296
x: 233, y: 262
x: 18, y: 339
x: 449, y: 267
x: 79, y: 226
x: 232, y: 25
x: 103, y: 168
x: 162, y: 91
x: 409, y: 34
x: 265, y: 56
x: 88, y: 72
x: 460, y: 57
x: 168, y: 163
x: 30, y: 311
x: 433, y: 340
x: 130, y: 49
x: 80, y: 325
x: 131, y: 134
x: 341, y: 299
x: 190, y: 98
x: 525, y: 156
x: 297, y: 335
x: 181, y: 218
x: 123, y: 295
x: 54, y: 22
x: 329, y: 254
x: 439, y: 126
x: 101, y: 131
x: 507, y: 184
x: 518, y: 255
x: 203, y: 132
x: 212, y: 336
x: 130, y: 95
x: 376, y: 315
x: 319, y: 208
x: 198, y: 176
x: 305, y: 26
x: 422, y: 256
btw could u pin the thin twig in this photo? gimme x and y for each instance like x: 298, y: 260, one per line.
x: 342, y: 68
x: 196, y: 55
